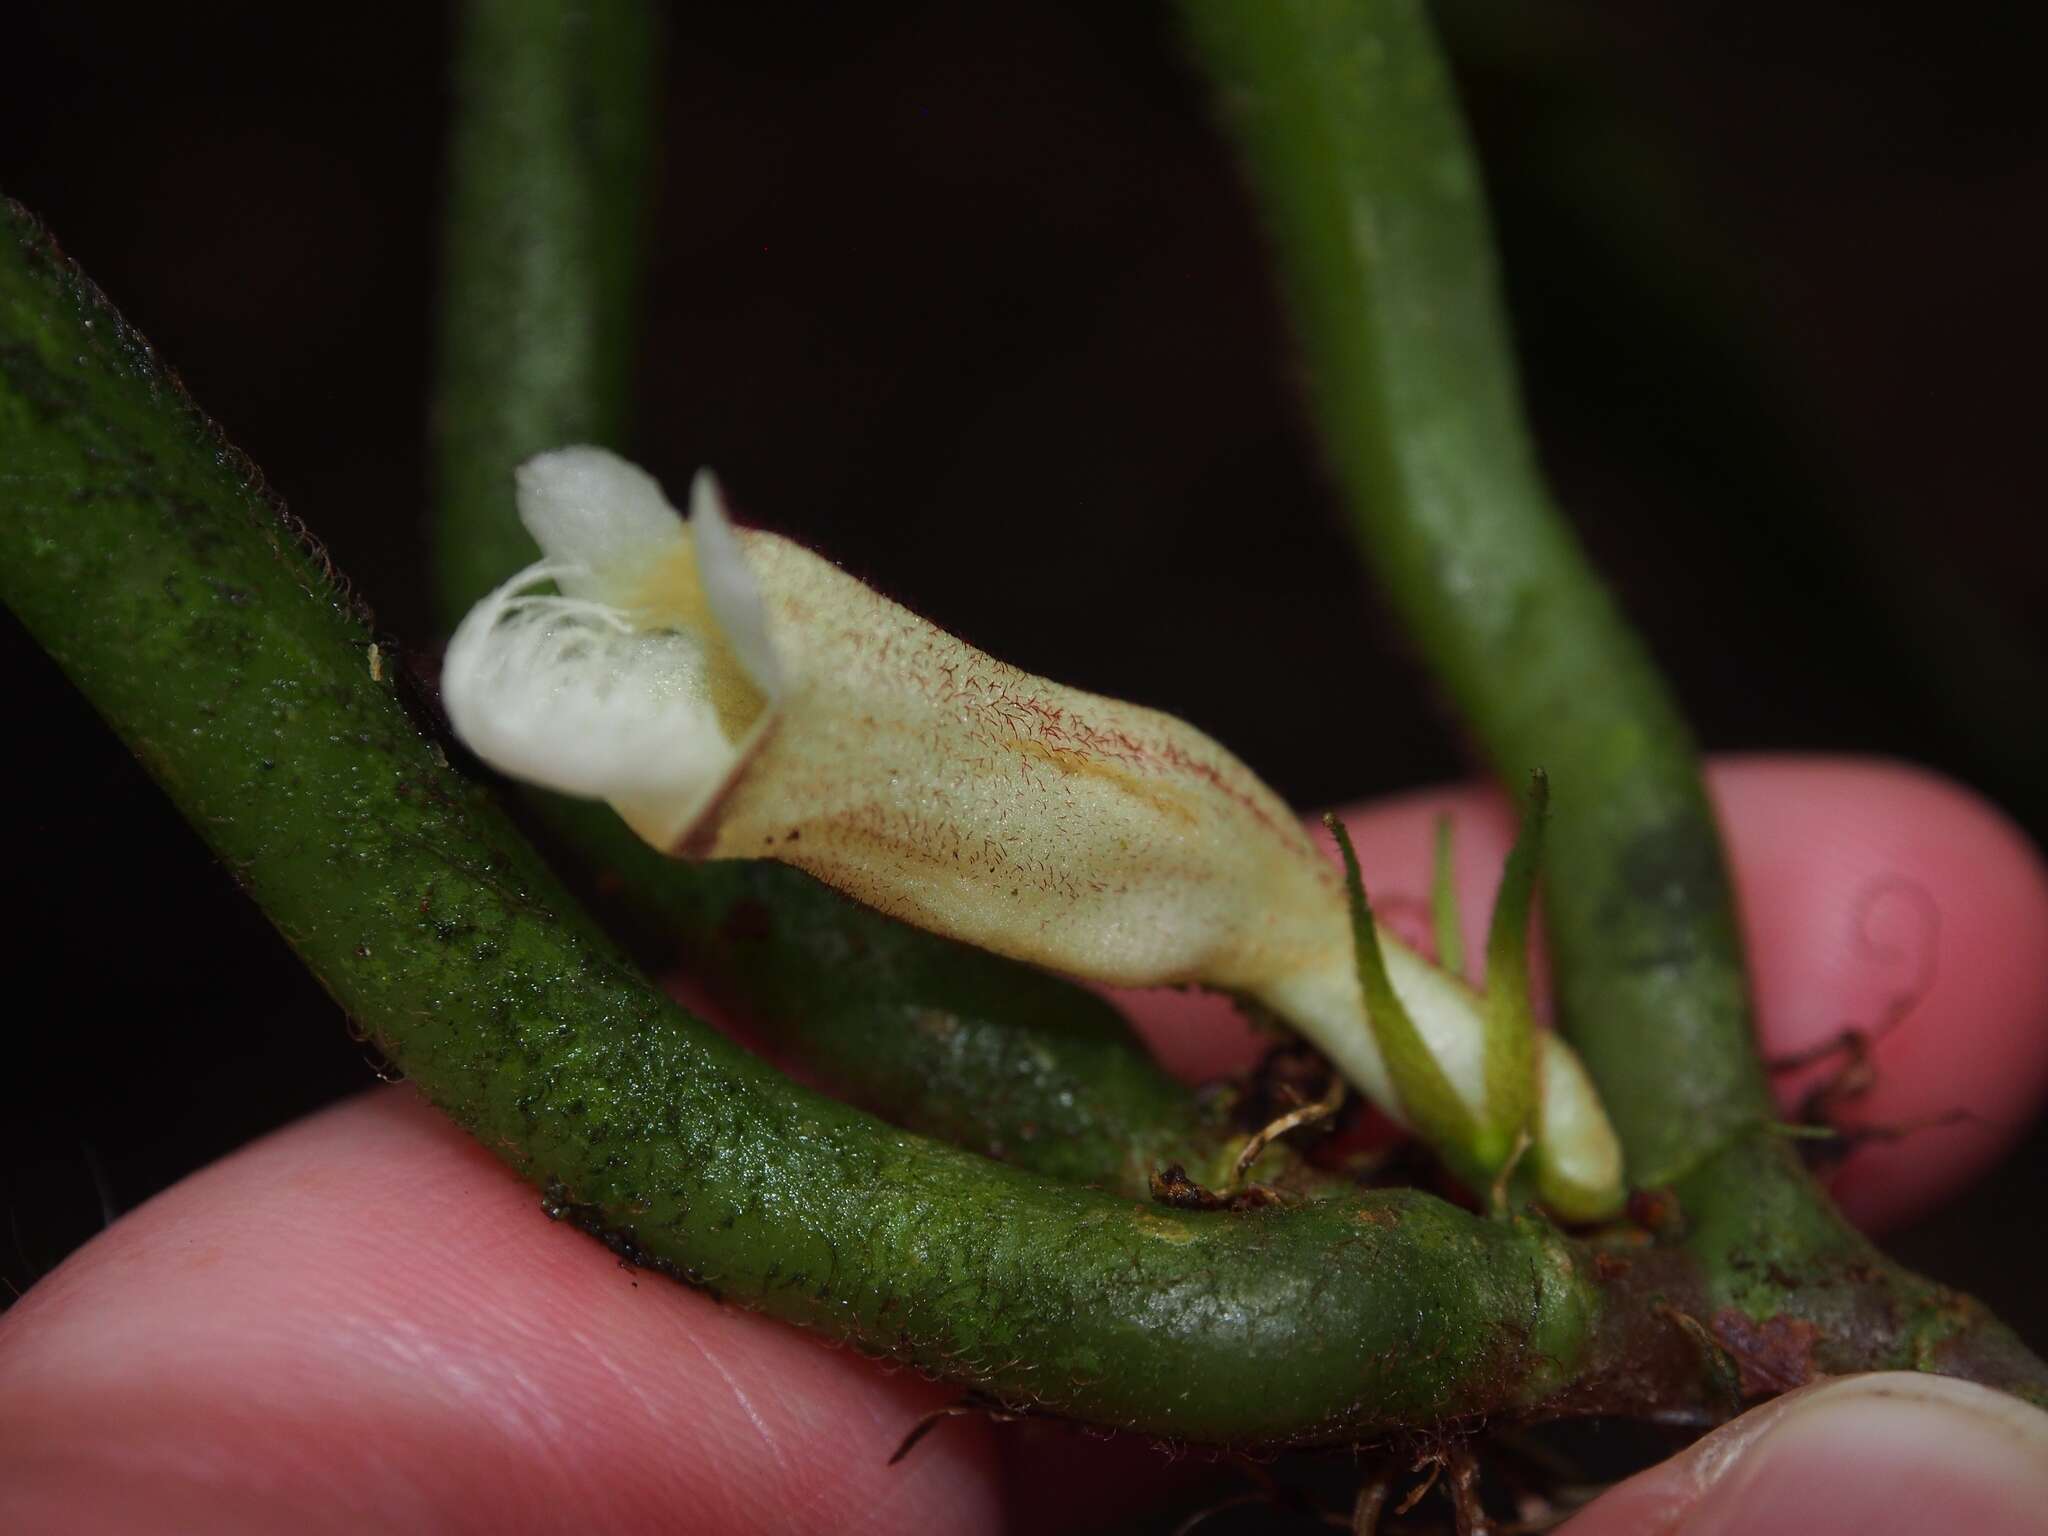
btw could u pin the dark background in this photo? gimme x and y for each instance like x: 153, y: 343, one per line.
x: 968, y: 296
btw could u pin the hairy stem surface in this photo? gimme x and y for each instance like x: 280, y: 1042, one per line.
x: 550, y: 152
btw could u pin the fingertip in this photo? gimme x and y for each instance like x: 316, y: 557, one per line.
x: 1881, y: 897
x: 1861, y: 1456
x: 1196, y: 1035
x: 366, y: 1322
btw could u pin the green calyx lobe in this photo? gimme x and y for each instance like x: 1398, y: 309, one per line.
x: 1427, y: 1096
x: 1482, y: 1146
x: 1510, y: 1020
x: 1444, y: 918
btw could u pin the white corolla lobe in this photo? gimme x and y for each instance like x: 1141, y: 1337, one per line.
x: 733, y: 695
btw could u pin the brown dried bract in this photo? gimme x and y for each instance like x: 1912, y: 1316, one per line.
x: 1172, y: 1186
x: 1771, y: 1356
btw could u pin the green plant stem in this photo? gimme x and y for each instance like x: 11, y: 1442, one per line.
x: 549, y: 157
x: 934, y: 1037
x: 214, y: 636
x: 1346, y: 118
x: 1345, y: 115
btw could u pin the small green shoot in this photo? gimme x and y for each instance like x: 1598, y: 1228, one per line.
x: 1431, y: 1104
x: 1443, y: 905
x: 1510, y: 1047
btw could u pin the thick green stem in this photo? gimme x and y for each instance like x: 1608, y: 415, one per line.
x: 213, y: 635
x: 1345, y: 114
x: 935, y: 1037
x: 549, y: 154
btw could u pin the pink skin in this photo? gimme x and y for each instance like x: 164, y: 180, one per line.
x: 363, y: 1322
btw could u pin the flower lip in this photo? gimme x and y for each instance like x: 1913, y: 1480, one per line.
x: 594, y: 692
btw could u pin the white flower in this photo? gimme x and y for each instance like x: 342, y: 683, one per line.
x: 733, y: 695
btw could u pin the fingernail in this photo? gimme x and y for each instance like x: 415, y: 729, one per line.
x: 1874, y: 1455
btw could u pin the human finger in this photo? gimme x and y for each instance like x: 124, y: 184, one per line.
x: 1896, y: 1452
x: 363, y: 1323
